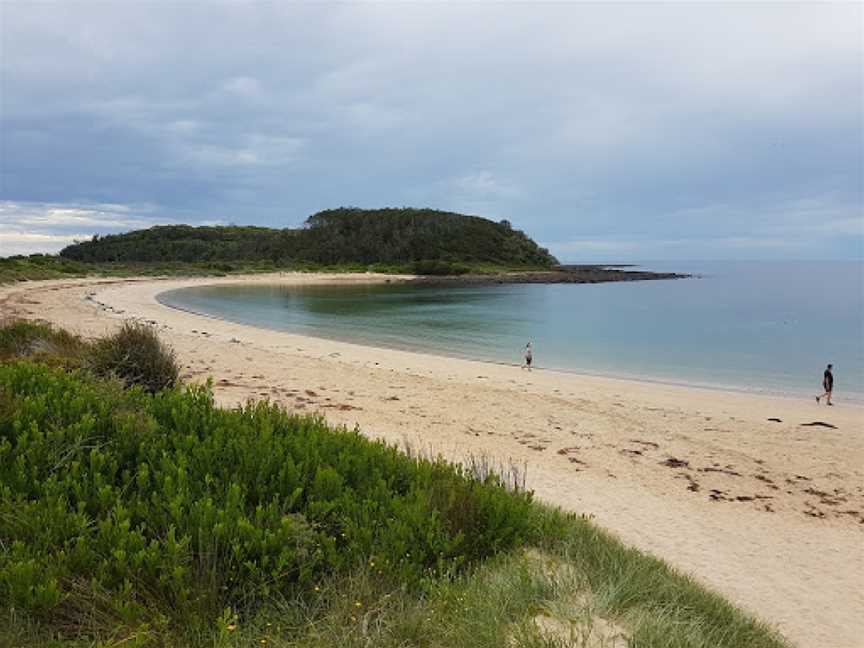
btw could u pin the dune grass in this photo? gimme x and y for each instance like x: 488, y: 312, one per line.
x: 41, y: 267
x: 133, y: 354
x: 521, y: 598
x: 41, y: 342
x: 130, y: 518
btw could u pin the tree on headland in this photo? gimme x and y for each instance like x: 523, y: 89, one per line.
x: 335, y: 236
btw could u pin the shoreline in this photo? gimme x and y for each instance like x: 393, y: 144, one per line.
x: 849, y: 399
x: 769, y: 514
x: 566, y: 274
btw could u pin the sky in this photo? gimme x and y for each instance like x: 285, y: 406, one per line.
x: 608, y: 132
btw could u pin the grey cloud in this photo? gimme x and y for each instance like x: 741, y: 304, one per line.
x: 577, y: 122
x: 27, y: 228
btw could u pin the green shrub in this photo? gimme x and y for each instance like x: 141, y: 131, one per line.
x: 165, y: 502
x: 440, y: 268
x: 40, y: 341
x: 136, y: 356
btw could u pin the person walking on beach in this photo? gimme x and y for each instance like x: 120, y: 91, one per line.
x: 529, y: 357
x: 827, y: 385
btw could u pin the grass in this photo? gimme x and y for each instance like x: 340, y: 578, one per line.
x: 42, y: 267
x: 523, y: 599
x: 135, y: 355
x: 111, y: 502
x: 41, y: 342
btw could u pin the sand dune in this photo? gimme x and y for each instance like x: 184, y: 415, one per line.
x: 769, y: 513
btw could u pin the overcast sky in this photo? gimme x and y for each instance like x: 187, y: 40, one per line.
x: 608, y: 132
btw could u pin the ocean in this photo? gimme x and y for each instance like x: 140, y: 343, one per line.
x: 763, y: 327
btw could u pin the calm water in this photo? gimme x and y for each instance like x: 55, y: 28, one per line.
x: 766, y: 326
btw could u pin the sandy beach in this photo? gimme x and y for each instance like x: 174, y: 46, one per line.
x: 769, y: 513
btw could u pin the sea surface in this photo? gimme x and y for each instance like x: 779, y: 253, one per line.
x: 767, y: 327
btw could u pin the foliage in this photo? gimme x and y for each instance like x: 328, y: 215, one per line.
x: 331, y: 237
x: 415, y: 235
x: 184, y: 243
x: 14, y: 269
x: 131, y: 503
x: 40, y: 267
x: 492, y: 604
x: 135, y: 355
x: 439, y: 268
x: 137, y: 519
x: 42, y: 342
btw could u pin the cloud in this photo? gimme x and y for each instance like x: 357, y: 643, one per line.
x: 576, y: 121
x: 183, y: 126
x: 485, y: 184
x: 28, y: 228
x: 254, y: 150
x: 14, y: 243
x: 616, y: 250
x: 62, y: 217
x: 242, y: 86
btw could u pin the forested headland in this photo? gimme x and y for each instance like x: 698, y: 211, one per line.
x: 436, y: 244
x: 331, y: 237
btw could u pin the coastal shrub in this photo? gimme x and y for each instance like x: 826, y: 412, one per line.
x: 165, y: 502
x: 136, y: 356
x: 439, y: 268
x: 40, y: 341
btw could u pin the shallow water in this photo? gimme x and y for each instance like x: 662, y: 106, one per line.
x: 762, y: 326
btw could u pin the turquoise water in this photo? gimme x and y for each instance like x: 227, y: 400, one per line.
x: 763, y: 326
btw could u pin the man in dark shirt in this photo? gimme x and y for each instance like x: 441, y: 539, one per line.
x: 827, y: 385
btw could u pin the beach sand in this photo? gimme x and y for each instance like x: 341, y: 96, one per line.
x: 770, y: 514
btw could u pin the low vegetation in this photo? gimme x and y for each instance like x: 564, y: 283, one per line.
x: 136, y: 356
x: 155, y: 518
x: 41, y: 342
x: 40, y: 267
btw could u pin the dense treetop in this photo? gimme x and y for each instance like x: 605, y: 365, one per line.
x: 345, y: 235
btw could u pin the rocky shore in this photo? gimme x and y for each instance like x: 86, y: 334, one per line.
x: 574, y: 274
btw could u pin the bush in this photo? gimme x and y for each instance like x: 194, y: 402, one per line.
x: 439, y: 268
x: 39, y: 341
x: 167, y: 502
x: 136, y: 356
